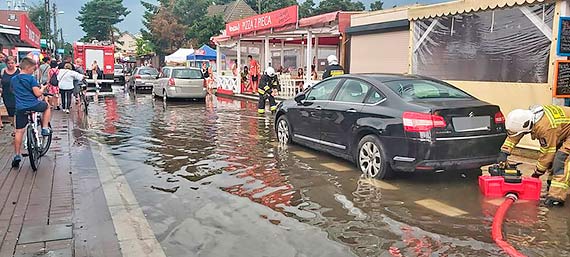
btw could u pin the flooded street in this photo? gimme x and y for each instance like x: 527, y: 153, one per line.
x: 212, y: 180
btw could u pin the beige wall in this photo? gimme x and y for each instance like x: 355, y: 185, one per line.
x: 380, y: 16
x: 509, y: 96
x: 381, y: 52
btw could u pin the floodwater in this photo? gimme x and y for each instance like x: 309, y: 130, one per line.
x: 212, y: 181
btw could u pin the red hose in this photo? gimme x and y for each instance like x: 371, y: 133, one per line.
x: 497, y: 230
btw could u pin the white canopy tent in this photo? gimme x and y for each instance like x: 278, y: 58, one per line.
x: 179, y: 56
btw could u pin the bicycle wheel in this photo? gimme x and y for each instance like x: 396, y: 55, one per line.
x: 45, y: 143
x: 33, y: 152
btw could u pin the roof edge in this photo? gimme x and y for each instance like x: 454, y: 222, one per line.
x: 463, y: 6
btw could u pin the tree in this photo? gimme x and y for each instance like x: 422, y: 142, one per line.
x: 375, y: 6
x: 189, y: 11
x: 269, y: 5
x: 306, y: 9
x: 144, y: 47
x: 326, y: 6
x: 68, y: 48
x: 201, y: 31
x: 38, y: 16
x: 168, y: 31
x: 97, y: 18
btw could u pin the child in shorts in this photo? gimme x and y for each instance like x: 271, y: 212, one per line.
x: 27, y: 91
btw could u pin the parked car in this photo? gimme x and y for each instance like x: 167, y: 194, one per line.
x: 386, y: 122
x: 142, y: 78
x: 119, y: 77
x: 180, y: 82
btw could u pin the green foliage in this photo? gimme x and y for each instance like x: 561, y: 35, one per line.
x: 307, y: 9
x: 269, y: 5
x: 68, y: 47
x: 378, y: 5
x: 208, y: 26
x: 37, y: 14
x: 326, y: 6
x: 97, y: 18
x: 144, y: 47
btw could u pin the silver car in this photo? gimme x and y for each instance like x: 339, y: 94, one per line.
x: 143, y: 78
x: 180, y: 82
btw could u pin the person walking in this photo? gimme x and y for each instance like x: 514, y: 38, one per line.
x: 44, y: 71
x: 95, y: 73
x: 2, y: 61
x: 268, y: 88
x: 66, y: 85
x: 53, y: 89
x: 77, y: 84
x: 7, y: 90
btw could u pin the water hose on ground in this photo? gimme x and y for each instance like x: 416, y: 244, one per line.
x: 497, y: 229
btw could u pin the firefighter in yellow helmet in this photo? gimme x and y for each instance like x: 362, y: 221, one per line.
x: 549, y: 124
x: 268, y: 85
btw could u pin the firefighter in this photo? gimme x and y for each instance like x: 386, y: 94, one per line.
x: 268, y: 86
x: 333, y: 69
x: 549, y: 124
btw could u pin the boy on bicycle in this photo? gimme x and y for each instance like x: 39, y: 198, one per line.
x: 27, y: 91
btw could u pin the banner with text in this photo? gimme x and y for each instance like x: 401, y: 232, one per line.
x: 29, y: 33
x: 264, y: 21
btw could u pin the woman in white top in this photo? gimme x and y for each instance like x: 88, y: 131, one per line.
x: 66, y: 78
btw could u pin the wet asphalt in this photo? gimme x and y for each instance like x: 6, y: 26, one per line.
x: 212, y: 180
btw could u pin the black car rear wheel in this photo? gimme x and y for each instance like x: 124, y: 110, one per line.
x: 283, y: 130
x: 371, y: 159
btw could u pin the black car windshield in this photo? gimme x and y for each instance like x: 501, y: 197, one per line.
x: 152, y: 72
x: 415, y: 89
x: 118, y: 66
x: 186, y: 74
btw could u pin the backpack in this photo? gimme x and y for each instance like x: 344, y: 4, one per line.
x: 53, y: 79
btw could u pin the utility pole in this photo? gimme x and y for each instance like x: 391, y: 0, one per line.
x: 54, y: 9
x: 47, y: 22
x: 61, y: 42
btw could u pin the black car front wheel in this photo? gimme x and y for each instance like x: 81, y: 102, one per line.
x: 371, y: 158
x: 283, y: 130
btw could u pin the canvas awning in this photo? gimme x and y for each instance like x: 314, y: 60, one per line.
x: 179, y: 55
x: 204, y: 53
x: 463, y: 6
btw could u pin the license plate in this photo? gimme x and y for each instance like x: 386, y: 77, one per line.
x: 467, y: 124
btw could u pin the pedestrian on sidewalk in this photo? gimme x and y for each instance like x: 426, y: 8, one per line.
x: 77, y: 84
x: 53, y: 89
x: 66, y: 85
x: 44, y: 71
x: 7, y: 90
x: 2, y: 61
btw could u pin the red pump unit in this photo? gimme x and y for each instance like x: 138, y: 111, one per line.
x: 505, y: 179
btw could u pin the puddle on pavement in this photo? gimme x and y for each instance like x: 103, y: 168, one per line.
x: 203, y: 152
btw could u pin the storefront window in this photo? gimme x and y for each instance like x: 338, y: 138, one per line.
x: 502, y: 45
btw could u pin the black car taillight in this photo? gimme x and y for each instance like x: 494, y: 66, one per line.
x: 422, y: 122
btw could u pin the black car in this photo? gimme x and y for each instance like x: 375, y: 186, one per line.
x: 387, y: 122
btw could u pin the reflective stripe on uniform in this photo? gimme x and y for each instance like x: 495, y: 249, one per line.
x: 559, y: 184
x: 261, y: 91
x: 273, y: 108
x: 337, y: 72
x: 267, y: 88
x: 509, y: 144
x: 261, y: 111
x: 556, y: 115
x: 548, y: 149
x: 540, y: 167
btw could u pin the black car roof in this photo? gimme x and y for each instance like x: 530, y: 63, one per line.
x: 386, y: 77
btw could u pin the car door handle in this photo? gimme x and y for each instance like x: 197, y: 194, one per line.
x: 318, y: 108
x: 351, y: 110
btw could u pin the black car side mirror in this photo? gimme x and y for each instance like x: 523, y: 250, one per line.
x: 300, y: 97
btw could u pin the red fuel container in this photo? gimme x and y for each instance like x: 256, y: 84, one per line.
x: 495, y: 186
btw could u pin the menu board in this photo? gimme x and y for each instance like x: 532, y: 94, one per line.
x: 563, y: 48
x: 562, y: 79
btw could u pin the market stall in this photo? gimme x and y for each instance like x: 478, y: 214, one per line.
x: 179, y: 56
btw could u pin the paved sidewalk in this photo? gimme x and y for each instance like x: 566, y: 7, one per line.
x: 40, y: 214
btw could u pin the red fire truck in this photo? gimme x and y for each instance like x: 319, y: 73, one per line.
x: 104, y: 54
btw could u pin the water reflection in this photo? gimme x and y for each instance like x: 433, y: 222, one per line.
x: 223, y: 144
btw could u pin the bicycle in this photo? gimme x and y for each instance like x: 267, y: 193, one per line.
x: 36, y: 144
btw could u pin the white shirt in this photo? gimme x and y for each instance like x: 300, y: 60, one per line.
x: 66, y: 77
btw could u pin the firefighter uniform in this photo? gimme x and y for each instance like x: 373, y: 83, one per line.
x: 553, y: 133
x: 333, y: 70
x: 266, y: 87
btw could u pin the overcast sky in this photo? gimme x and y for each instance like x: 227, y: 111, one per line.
x: 133, y: 23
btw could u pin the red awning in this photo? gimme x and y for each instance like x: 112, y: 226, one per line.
x: 318, y: 20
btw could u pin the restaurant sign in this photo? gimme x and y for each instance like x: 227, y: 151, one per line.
x: 264, y: 21
x: 29, y: 33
